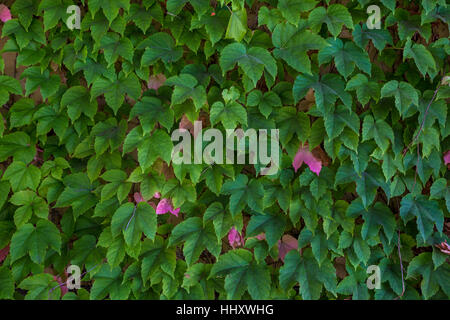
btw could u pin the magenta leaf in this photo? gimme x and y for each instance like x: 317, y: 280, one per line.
x: 156, y: 81
x: 304, y: 155
x: 138, y: 197
x: 234, y: 238
x: 165, y: 205
x: 447, y: 157
x: 4, y: 253
x: 286, y: 244
x: 5, y: 14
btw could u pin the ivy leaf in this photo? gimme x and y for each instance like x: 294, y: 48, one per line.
x: 222, y: 221
x: 115, y: 46
x: 305, y: 270
x: 365, y: 89
x: 186, y: 88
x: 326, y: 90
x: 159, y: 46
x: 272, y: 225
x: 378, y: 130
x: 77, y: 100
x: 427, y: 213
x: 157, y: 255
x: 115, y: 89
x: 379, y: 37
x: 110, y: 8
x: 29, y: 203
x: 293, y: 45
x: 252, y: 61
x: 108, y: 281
x: 242, y: 273
x: 422, y: 57
x: 49, y: 84
x: 374, y: 217
x: 341, y: 117
x: 345, y: 57
x: 35, y: 240
x: 22, y: 113
x: 21, y: 176
x: 157, y: 145
x: 9, y: 85
x: 179, y: 192
x: 117, y: 185
x: 229, y: 114
x: 133, y: 220
x: 196, y: 238
x: 237, y: 26
x: 244, y: 193
x: 291, y: 9
x: 151, y: 110
x: 40, y: 287
x: 422, y: 265
x: 7, y: 281
x: 335, y: 17
x: 265, y: 102
x: 77, y: 193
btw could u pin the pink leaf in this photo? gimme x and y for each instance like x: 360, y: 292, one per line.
x: 234, y: 238
x: 4, y: 253
x: 447, y: 157
x: 5, y: 14
x: 165, y: 205
x: 62, y: 285
x: 156, y: 81
x: 138, y: 197
x: 444, y: 247
x: 304, y: 155
x: 157, y: 195
x: 286, y: 244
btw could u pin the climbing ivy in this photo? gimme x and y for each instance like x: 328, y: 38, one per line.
x: 87, y: 177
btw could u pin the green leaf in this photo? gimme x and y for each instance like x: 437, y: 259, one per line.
x: 253, y: 61
x: 40, y: 287
x: 21, y: 176
x: 108, y: 281
x: 326, y: 90
x: 159, y: 46
x: 29, y: 203
x: 335, y: 17
x: 378, y: 130
x: 291, y: 9
x: 115, y: 89
x: 244, y: 193
x: 293, y: 45
x: 345, y: 57
x: 422, y: 57
x: 427, y: 213
x: 133, y: 220
x: 7, y: 281
x: 35, y: 240
x: 242, y: 273
x: 305, y: 270
x: 432, y: 279
x: 77, y: 100
x: 237, y: 25
x: 195, y: 237
x: 186, y: 88
x: 48, y: 84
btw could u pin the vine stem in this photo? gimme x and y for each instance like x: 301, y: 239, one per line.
x: 424, y: 118
x: 401, y: 266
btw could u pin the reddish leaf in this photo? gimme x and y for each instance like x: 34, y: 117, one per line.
x: 304, y: 155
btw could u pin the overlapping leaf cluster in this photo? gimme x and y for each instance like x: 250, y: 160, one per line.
x: 85, y: 131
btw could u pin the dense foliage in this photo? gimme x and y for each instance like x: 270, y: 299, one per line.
x: 85, y: 149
